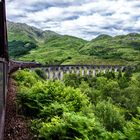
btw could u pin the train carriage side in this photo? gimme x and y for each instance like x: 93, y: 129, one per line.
x: 3, y: 65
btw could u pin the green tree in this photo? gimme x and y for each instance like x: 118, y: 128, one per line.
x: 111, y: 116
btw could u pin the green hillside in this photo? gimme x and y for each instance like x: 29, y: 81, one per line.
x: 124, y: 47
x: 29, y: 43
x: 22, y: 32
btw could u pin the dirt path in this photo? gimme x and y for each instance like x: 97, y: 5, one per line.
x: 15, y: 126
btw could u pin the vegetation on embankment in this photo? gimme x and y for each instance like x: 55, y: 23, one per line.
x: 29, y: 43
x: 81, y: 108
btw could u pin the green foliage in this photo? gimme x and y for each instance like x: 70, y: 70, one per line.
x: 66, y: 112
x: 120, y: 74
x: 137, y: 67
x: 123, y: 82
x: 132, y: 129
x: 26, y: 78
x: 101, y: 82
x: 19, y: 48
x: 71, y: 126
x: 72, y: 80
x: 115, y: 136
x: 128, y: 73
x: 110, y: 116
x: 41, y: 73
x: 111, y: 90
x: 46, y: 96
x: 81, y: 107
x: 130, y: 99
x: 110, y: 75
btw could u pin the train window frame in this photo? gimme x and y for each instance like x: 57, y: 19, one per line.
x: 4, y: 61
x: 4, y: 65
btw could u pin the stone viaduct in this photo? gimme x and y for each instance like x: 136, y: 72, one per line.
x: 58, y: 71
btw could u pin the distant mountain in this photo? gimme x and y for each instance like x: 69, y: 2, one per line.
x: 24, y: 32
x: 102, y: 36
x: 123, y: 47
x: 28, y: 43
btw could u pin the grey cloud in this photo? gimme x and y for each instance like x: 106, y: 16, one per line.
x: 82, y: 18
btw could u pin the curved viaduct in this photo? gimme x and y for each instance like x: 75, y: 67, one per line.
x: 58, y: 71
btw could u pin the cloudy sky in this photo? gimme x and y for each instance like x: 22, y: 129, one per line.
x: 81, y: 18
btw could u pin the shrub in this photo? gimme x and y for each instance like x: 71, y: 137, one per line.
x: 71, y: 126
x: 123, y: 82
x: 42, y: 95
x: 128, y: 73
x: 110, y: 116
x: 71, y: 80
x: 111, y: 90
x: 132, y: 129
x: 41, y: 73
x: 26, y: 78
x: 101, y: 82
x: 130, y: 99
x: 65, y: 110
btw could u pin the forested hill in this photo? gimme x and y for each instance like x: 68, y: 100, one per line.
x: 29, y: 43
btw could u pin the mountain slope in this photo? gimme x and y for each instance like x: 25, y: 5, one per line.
x: 56, y: 51
x: 124, y: 47
x: 29, y: 43
x: 20, y: 31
